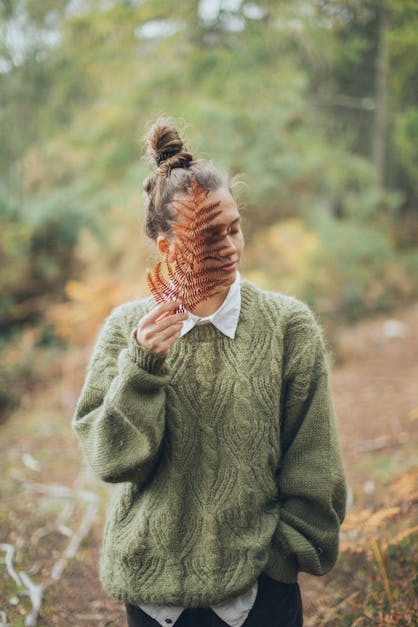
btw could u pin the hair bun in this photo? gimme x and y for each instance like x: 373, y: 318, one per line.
x: 165, y: 147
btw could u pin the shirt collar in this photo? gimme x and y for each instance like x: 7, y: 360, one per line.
x: 225, y: 319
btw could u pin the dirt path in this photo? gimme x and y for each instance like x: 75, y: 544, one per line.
x: 376, y: 398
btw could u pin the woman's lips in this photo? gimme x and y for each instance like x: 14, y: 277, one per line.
x: 229, y: 267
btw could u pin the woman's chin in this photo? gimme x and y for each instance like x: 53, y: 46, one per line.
x: 228, y: 279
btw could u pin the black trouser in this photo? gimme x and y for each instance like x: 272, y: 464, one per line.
x: 276, y: 605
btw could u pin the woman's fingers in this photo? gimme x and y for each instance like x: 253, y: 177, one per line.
x: 163, y: 334
x: 168, y: 321
x: 160, y: 328
x: 160, y: 310
x: 148, y: 330
x: 161, y: 341
x: 166, y: 341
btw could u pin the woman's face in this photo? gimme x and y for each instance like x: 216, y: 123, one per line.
x: 225, y: 230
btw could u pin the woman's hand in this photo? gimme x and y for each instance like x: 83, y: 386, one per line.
x: 158, y: 330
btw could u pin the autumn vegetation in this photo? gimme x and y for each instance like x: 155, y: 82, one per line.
x: 312, y: 107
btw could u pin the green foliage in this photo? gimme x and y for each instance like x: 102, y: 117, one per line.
x: 406, y: 143
x: 356, y: 253
x: 341, y: 267
x: 36, y: 253
x: 281, y: 92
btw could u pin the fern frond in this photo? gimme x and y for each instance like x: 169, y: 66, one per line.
x: 184, y: 279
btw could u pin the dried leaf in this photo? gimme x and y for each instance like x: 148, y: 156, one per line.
x: 186, y: 279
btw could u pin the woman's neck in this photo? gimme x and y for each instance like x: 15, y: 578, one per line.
x: 208, y: 307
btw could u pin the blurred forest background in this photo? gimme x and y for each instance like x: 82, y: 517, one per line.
x: 312, y: 103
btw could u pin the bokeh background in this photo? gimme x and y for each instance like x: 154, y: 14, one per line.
x: 313, y: 106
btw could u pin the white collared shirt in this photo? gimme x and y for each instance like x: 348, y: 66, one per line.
x: 234, y: 611
x: 225, y: 319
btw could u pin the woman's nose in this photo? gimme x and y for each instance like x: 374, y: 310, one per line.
x: 227, y: 248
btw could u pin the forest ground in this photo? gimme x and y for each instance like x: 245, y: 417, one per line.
x: 46, y: 497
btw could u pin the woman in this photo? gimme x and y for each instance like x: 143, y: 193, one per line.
x: 218, y: 427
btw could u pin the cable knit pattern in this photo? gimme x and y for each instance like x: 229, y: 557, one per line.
x: 225, y: 453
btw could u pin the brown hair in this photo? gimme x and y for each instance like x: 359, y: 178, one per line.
x: 175, y: 168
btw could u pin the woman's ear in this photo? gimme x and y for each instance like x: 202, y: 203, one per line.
x: 165, y: 248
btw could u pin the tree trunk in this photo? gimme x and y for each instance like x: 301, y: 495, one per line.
x: 381, y: 111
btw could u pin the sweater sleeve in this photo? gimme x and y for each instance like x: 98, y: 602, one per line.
x: 120, y: 415
x: 311, y: 482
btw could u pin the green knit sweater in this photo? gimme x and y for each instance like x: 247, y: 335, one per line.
x: 225, y: 454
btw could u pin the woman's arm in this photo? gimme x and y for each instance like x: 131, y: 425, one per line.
x: 120, y: 416
x: 311, y: 483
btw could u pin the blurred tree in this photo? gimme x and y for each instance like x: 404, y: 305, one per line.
x: 370, y: 77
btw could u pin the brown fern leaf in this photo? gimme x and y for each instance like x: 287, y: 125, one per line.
x: 186, y: 279
x: 160, y: 286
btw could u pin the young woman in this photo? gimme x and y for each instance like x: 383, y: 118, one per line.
x: 218, y: 428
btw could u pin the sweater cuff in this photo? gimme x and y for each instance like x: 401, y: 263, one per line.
x: 144, y: 358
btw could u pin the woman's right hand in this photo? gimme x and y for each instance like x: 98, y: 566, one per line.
x: 160, y: 328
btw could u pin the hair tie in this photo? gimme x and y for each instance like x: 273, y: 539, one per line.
x: 164, y: 156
